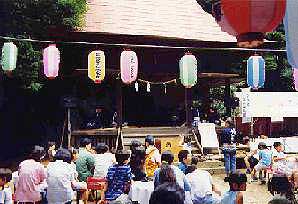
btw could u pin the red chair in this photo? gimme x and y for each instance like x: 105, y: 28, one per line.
x: 97, y: 184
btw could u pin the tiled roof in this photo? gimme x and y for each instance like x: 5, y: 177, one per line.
x: 165, y: 18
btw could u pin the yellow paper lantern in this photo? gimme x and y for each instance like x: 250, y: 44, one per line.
x: 96, y: 66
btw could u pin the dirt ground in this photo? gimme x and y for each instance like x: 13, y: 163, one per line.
x: 255, y: 193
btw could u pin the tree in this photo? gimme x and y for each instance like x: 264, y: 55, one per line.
x: 33, y: 19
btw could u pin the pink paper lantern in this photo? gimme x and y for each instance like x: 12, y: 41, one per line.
x: 128, y: 66
x: 51, y: 60
x: 295, y: 76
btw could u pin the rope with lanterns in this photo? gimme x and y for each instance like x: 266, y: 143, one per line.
x: 128, y: 67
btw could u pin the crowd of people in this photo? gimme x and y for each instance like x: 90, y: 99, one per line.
x: 53, y: 176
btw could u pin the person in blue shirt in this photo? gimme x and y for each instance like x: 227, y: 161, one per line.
x: 183, y: 160
x: 265, y: 161
x: 228, y: 142
x: 119, y: 176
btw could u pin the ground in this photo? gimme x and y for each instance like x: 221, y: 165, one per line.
x: 255, y: 193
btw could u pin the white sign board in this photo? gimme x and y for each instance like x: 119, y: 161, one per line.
x: 208, y: 135
x: 269, y: 104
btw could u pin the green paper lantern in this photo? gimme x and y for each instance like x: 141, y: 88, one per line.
x: 9, y: 56
x: 188, y: 70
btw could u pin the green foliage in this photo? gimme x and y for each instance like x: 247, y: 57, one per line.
x: 33, y: 19
x: 28, y: 65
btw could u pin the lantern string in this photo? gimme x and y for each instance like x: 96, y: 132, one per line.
x: 158, y: 83
x: 139, y: 45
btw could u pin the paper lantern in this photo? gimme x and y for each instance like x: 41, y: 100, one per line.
x: 51, y: 61
x: 291, y: 30
x: 9, y: 56
x: 188, y: 70
x: 128, y: 66
x: 295, y: 77
x: 255, y: 72
x: 250, y: 19
x: 96, y: 66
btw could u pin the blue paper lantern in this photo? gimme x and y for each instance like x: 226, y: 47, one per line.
x: 255, y: 72
x: 291, y: 30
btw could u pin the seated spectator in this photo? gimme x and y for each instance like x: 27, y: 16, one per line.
x: 183, y: 160
x: 201, y: 185
x: 167, y: 193
x: 85, y: 164
x: 279, y: 200
x: 119, y: 176
x: 265, y: 161
x: 51, y: 151
x: 251, y: 160
x: 85, y: 161
x: 237, y: 182
x: 166, y: 174
x: 137, y: 161
x: 167, y: 158
x: 60, y: 178
x: 32, y: 174
x: 103, y: 160
x: 279, y: 160
x: 5, y: 190
x: 152, y: 161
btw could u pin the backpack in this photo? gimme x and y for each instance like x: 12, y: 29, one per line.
x: 150, y: 165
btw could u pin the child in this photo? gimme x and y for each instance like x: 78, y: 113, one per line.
x: 119, y: 176
x: 279, y: 160
x: 5, y: 190
x: 183, y: 160
x: 237, y: 182
x: 265, y: 161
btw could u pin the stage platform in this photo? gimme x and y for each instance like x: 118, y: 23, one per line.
x: 109, y: 135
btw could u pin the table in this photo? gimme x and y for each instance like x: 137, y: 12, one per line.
x: 141, y: 191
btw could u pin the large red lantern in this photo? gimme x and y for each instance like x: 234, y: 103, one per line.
x: 251, y: 19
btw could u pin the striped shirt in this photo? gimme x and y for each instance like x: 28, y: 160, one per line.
x: 118, y: 177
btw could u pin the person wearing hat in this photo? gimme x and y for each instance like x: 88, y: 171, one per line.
x: 153, y: 157
x: 265, y: 161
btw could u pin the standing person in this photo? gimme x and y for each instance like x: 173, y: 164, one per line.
x: 119, y: 176
x: 153, y: 158
x: 237, y: 182
x: 229, y: 147
x: 31, y: 175
x: 103, y: 160
x: 167, y: 158
x: 5, y: 190
x: 60, y: 178
x: 265, y: 161
x: 183, y: 160
x: 201, y: 184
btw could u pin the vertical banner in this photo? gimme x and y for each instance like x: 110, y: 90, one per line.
x: 245, y: 105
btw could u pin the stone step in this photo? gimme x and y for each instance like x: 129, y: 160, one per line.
x: 210, y: 164
x: 212, y: 171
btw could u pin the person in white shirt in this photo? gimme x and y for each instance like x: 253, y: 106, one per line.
x: 103, y: 160
x: 5, y: 190
x: 60, y: 178
x: 201, y: 185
